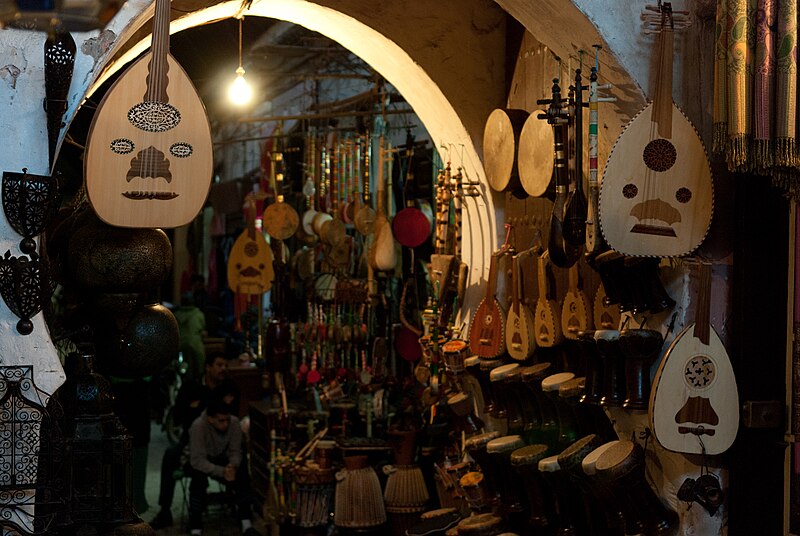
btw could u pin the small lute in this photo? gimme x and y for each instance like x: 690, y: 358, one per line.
x: 149, y: 156
x: 694, y: 405
x: 520, y: 339
x: 606, y: 315
x: 487, y: 331
x: 280, y: 219
x: 656, y: 196
x: 576, y: 315
x: 547, y: 319
x: 250, y: 269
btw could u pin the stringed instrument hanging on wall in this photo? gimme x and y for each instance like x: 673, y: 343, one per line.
x: 694, y: 404
x: 656, y: 196
x: 149, y: 156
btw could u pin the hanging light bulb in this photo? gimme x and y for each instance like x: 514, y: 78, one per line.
x: 240, y: 92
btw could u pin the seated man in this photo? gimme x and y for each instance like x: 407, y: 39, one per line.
x: 192, y: 399
x: 215, y: 450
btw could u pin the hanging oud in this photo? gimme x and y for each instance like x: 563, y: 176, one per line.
x: 487, y: 330
x: 694, y: 405
x: 547, y: 318
x: 250, y: 268
x: 149, y: 156
x: 656, y: 196
x: 576, y: 315
x: 520, y: 339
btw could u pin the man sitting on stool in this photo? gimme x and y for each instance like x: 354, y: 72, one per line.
x: 215, y: 450
x: 192, y: 399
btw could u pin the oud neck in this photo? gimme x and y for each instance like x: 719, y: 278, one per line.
x: 662, y: 98
x: 578, y: 122
x: 541, y: 263
x: 157, y: 70
x: 491, y: 284
x: 574, y: 277
x: 516, y: 282
x: 702, y: 323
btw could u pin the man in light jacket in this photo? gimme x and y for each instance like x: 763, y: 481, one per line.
x: 215, y: 450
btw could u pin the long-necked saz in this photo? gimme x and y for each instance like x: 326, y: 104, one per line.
x: 694, y: 404
x: 149, y: 157
x: 656, y: 196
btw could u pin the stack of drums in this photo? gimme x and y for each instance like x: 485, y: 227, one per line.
x: 359, y: 501
x: 315, y: 487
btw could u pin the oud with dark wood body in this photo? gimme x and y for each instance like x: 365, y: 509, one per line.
x: 149, y: 155
x: 487, y: 331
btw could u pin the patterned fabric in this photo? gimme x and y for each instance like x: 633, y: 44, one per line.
x: 755, y: 88
x: 764, y: 83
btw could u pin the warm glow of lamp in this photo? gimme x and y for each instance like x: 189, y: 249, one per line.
x: 240, y: 92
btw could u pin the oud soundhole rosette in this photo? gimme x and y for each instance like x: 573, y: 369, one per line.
x: 154, y: 116
x: 659, y: 155
x: 700, y: 372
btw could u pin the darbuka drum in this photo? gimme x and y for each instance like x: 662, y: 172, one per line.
x: 485, y: 369
x: 594, y: 369
x: 640, y: 348
x: 566, y: 497
x: 497, y: 379
x: 567, y: 425
x: 613, y: 367
x: 621, y: 467
x: 525, y: 461
x: 464, y: 410
x: 474, y: 490
x: 532, y: 377
x: 510, y: 485
x: 476, y: 447
x: 570, y: 461
x: 454, y: 353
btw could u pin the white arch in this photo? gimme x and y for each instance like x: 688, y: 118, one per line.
x: 395, y: 65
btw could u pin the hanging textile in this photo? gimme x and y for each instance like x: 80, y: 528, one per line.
x: 755, y: 89
x: 764, y: 89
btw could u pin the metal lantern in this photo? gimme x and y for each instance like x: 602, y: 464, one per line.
x: 30, y: 202
x: 31, y: 450
x: 26, y: 287
x: 98, y: 448
x: 71, y: 15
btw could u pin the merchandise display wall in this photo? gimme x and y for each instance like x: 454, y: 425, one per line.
x: 430, y: 55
